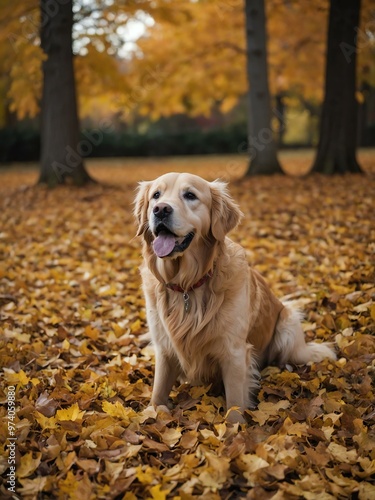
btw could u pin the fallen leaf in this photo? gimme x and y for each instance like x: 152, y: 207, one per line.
x: 267, y: 410
x: 28, y: 464
x: 46, y: 405
x: 342, y: 454
x: 72, y: 413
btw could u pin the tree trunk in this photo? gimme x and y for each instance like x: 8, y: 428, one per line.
x: 61, y: 149
x: 338, y: 126
x: 281, y: 118
x: 261, y: 143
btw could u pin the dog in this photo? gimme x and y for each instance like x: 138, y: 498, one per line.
x: 211, y: 316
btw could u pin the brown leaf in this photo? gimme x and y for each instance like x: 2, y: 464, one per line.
x: 318, y: 456
x: 46, y: 405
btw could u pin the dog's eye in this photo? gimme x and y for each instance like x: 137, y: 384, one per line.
x: 156, y: 195
x: 190, y: 196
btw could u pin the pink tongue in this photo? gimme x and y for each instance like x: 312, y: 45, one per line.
x: 164, y: 244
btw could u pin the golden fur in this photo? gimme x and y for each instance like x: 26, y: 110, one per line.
x: 235, y: 324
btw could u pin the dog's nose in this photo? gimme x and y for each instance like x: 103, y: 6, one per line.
x: 162, y: 210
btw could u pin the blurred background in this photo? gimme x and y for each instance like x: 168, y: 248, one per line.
x: 156, y: 78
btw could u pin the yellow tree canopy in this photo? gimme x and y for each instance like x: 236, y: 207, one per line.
x: 202, y: 59
x: 102, y: 77
x: 190, y: 58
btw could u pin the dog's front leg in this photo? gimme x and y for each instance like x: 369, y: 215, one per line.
x: 234, y: 372
x: 166, y: 371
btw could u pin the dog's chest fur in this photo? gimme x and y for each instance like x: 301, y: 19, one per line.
x: 191, y: 333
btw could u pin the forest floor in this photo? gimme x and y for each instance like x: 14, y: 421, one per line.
x: 73, y: 344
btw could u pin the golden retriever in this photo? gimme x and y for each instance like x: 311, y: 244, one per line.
x: 211, y: 316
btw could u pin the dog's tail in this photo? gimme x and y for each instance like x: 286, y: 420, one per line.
x: 289, y: 343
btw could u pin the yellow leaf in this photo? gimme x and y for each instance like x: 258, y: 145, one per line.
x: 28, y: 464
x: 343, y: 322
x: 312, y: 385
x: 342, y: 454
x: 83, y: 349
x: 86, y: 315
x: 129, y: 496
x: 366, y: 490
x: 190, y: 461
x: 118, y: 410
x: 72, y: 413
x: 132, y: 299
x: 372, y: 312
x: 31, y: 487
x: 171, y: 436
x: 221, y: 429
x: 45, y: 422
x: 136, y: 326
x: 145, y: 477
x: 54, y: 320
x: 267, y: 410
x: 340, y: 289
x: 157, y: 493
x: 332, y: 418
x: 210, y: 437
x: 297, y: 429
x: 220, y: 465
x: 21, y: 337
x: 16, y: 378
x: 66, y: 460
x: 117, y: 329
x: 252, y: 463
x: 65, y: 345
x: 91, y: 332
x: 328, y: 430
x: 208, y: 479
x: 149, y: 412
x: 107, y: 290
x: 367, y: 465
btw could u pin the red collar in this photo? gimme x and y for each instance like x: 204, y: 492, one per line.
x: 202, y: 281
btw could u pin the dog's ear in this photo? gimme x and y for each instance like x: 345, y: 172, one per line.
x: 225, y: 213
x: 141, y: 205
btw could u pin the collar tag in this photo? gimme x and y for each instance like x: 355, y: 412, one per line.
x: 187, y: 303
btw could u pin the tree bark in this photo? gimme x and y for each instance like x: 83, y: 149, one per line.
x: 261, y: 143
x: 61, y: 149
x: 336, y: 152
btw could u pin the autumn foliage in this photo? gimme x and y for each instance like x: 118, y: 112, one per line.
x: 74, y: 344
x: 191, y: 59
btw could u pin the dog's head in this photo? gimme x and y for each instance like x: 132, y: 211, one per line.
x: 176, y: 211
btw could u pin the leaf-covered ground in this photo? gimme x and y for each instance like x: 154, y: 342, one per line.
x: 72, y: 343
